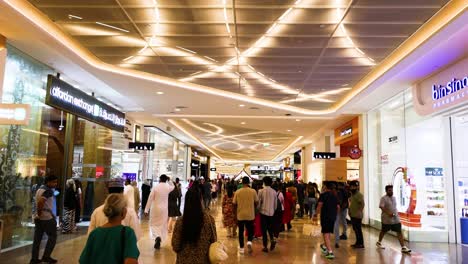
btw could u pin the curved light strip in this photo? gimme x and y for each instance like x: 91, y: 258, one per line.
x: 218, y: 131
x: 445, y: 15
x: 288, y: 147
x: 194, y: 138
x: 302, y: 98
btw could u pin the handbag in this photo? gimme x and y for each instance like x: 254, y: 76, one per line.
x: 217, y: 252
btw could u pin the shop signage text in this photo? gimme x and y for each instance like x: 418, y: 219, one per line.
x: 393, y: 139
x: 141, y: 146
x: 434, y: 171
x: 347, y: 131
x: 324, y: 155
x: 444, y: 94
x: 69, y: 99
x: 14, y: 114
x: 212, y: 169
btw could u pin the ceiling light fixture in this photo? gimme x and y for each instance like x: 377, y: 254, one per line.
x: 243, y: 123
x: 177, y: 109
x: 75, y: 17
x: 109, y: 26
x: 128, y: 58
x: 298, y: 120
x: 289, y: 130
x: 194, y: 138
x: 160, y: 93
x: 287, y: 147
x: 241, y: 105
x: 210, y: 58
x: 191, y: 51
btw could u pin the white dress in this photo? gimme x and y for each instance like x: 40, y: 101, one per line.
x: 158, y: 202
x: 129, y: 196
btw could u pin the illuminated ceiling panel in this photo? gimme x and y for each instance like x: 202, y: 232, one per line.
x: 292, y: 52
x: 238, y: 143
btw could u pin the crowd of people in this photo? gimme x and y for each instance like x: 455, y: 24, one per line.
x: 250, y: 209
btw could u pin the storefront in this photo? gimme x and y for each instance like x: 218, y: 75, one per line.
x: 169, y: 157
x: 54, y: 129
x: 417, y: 142
x: 347, y: 141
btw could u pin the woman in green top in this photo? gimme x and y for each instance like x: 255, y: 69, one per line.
x: 112, y: 243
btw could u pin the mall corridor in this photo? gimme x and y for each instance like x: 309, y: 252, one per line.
x: 352, y: 110
x: 293, y: 247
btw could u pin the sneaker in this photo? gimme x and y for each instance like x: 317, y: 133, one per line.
x: 344, y: 237
x: 379, y: 245
x: 48, y: 260
x: 337, y: 245
x: 249, y: 247
x: 405, y: 250
x: 241, y: 251
x: 323, y: 248
x: 35, y: 261
x: 273, y: 245
x: 330, y: 255
x: 157, y: 243
x: 265, y: 250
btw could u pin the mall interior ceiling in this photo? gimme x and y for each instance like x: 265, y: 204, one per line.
x: 242, y: 79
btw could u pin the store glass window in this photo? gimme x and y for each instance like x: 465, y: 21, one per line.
x: 29, y: 152
x: 408, y: 151
x: 97, y: 157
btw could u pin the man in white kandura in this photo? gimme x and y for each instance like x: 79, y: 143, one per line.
x: 129, y: 194
x: 158, y: 205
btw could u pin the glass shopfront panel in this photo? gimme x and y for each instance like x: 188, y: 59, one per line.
x: 97, y: 157
x: 410, y: 152
x: 28, y: 152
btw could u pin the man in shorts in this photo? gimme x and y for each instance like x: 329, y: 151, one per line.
x: 390, y: 219
x: 328, y: 208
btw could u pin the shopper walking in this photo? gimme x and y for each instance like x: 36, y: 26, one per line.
x: 112, y: 242
x: 45, y: 221
x: 145, y: 192
x: 267, y: 202
x: 79, y: 200
x: 289, y: 209
x: 214, y: 191
x: 356, y: 212
x: 69, y: 204
x: 327, y: 208
x: 206, y: 188
x: 300, y: 197
x: 174, y: 206
x: 158, y: 204
x: 136, y: 197
x: 342, y: 213
x: 278, y: 224
x: 129, y: 194
x: 245, y: 200
x: 194, y: 232
x: 229, y: 215
x: 312, y: 192
x: 390, y: 219
x: 99, y: 218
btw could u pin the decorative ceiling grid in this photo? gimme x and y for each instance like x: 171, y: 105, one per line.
x: 306, y: 53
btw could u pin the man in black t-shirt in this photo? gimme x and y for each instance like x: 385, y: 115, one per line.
x: 328, y: 207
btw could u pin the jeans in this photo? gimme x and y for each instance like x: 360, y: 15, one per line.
x: 312, y: 205
x: 267, y: 226
x: 249, y: 224
x: 357, y: 226
x: 340, y: 219
x: 50, y: 228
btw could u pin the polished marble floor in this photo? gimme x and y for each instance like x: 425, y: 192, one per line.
x: 293, y: 247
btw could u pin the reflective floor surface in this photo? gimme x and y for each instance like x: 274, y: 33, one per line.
x: 293, y: 247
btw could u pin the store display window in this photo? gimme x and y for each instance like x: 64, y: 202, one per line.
x: 409, y: 152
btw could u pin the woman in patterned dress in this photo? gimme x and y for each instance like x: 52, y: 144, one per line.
x: 229, y: 216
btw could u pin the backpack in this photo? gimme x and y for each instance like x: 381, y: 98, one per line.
x: 278, y: 209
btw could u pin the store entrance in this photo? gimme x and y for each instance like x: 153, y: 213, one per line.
x: 460, y: 168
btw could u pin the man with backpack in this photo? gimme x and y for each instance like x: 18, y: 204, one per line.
x: 267, y: 204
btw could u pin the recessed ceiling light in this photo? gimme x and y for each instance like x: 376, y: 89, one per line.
x: 177, y: 109
x: 160, y: 92
x: 241, y: 105
x: 74, y: 17
x: 322, y: 25
x: 243, y: 123
x: 289, y: 130
x: 298, y: 120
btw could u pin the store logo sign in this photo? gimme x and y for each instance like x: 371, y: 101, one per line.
x: 445, y: 94
x: 346, y: 132
x: 14, y: 114
x: 69, y: 99
x: 434, y: 171
x: 141, y: 146
x: 324, y: 155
